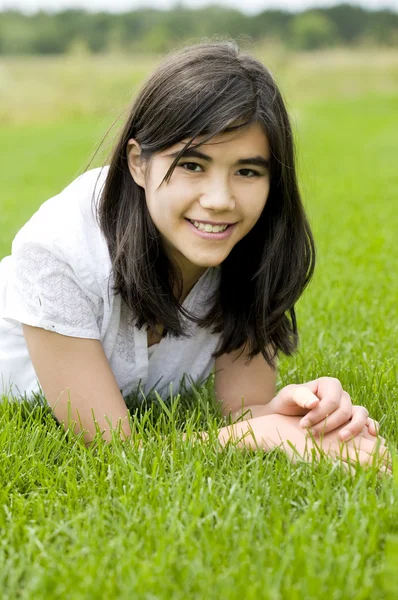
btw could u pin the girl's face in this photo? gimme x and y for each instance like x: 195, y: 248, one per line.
x: 228, y: 183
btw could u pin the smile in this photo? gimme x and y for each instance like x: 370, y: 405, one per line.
x: 207, y: 227
x: 211, y: 232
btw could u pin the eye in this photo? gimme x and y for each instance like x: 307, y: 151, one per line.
x: 254, y: 173
x: 189, y: 164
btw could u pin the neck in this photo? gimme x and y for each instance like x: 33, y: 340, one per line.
x: 190, y: 278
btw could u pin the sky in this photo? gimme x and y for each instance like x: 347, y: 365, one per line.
x: 249, y: 6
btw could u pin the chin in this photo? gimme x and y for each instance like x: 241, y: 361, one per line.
x: 207, y: 262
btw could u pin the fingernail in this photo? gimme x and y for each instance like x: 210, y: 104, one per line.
x: 345, y: 434
x: 310, y: 403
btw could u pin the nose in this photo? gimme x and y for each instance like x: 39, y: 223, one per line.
x: 217, y: 196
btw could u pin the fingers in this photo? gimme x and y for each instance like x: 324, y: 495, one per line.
x: 360, y: 423
x: 374, y: 428
x: 380, y: 460
x: 333, y: 409
x: 372, y: 431
x: 371, y: 437
x: 349, y: 458
x: 303, y: 396
x: 363, y: 449
x: 370, y: 451
x: 365, y: 433
x: 332, y: 396
x: 359, y: 419
x: 367, y: 454
x: 372, y: 424
x: 331, y: 413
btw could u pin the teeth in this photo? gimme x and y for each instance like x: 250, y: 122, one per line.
x: 209, y: 228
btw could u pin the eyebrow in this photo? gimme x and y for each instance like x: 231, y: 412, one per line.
x: 259, y: 161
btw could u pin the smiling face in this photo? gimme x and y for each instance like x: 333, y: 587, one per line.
x: 227, y: 183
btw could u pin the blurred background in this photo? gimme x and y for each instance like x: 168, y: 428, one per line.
x: 48, y: 27
x: 58, y: 59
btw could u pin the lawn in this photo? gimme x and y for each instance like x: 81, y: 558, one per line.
x: 177, y: 519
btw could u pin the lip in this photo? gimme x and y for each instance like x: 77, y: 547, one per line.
x: 222, y: 235
x: 209, y: 222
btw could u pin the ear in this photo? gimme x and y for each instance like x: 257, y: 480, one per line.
x: 135, y: 163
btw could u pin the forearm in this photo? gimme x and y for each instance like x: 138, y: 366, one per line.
x: 252, y: 411
x: 99, y: 414
x: 251, y: 432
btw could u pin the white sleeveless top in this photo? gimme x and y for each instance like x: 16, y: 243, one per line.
x: 57, y: 278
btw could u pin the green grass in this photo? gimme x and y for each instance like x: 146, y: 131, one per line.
x: 182, y: 520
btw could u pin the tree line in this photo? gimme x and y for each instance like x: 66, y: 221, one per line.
x: 151, y: 30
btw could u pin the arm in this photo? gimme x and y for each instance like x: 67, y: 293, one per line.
x: 319, y: 399
x: 255, y: 382
x: 77, y: 365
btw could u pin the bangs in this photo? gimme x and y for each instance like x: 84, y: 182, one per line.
x: 216, y: 106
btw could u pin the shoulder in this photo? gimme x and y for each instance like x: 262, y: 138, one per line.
x: 73, y: 202
x: 65, y: 226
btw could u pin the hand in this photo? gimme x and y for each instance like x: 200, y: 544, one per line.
x: 326, y: 406
x: 363, y: 448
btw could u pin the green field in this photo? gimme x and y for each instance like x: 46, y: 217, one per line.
x: 181, y: 520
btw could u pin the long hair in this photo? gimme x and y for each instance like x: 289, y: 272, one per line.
x: 206, y: 89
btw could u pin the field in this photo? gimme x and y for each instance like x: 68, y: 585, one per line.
x: 181, y: 520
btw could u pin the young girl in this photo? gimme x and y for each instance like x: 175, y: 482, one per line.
x: 187, y: 253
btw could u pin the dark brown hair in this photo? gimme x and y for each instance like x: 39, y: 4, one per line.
x: 207, y: 89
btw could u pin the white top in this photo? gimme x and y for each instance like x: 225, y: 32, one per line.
x: 57, y: 278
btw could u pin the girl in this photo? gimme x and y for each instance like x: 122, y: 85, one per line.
x: 187, y: 253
